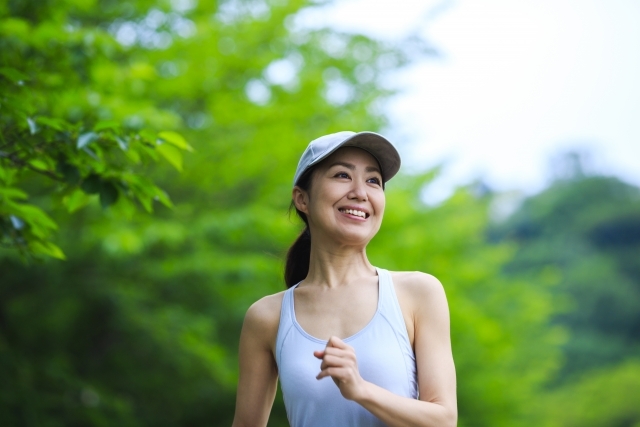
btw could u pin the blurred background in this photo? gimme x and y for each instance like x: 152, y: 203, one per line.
x: 147, y: 150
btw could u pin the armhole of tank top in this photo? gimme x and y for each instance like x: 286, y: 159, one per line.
x: 285, y: 323
x: 399, y: 327
x: 393, y: 312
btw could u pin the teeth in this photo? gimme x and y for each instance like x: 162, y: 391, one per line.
x: 354, y: 212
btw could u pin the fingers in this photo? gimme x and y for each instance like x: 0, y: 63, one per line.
x: 336, y: 342
x: 335, y: 373
x: 338, y: 358
x: 334, y: 346
x: 333, y: 343
x: 340, y: 364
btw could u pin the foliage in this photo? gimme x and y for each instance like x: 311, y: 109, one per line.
x: 587, y: 228
x: 64, y: 129
x: 604, y: 397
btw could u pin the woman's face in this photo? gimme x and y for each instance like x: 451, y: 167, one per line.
x: 346, y: 199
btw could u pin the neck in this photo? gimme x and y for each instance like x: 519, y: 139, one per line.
x: 337, y: 265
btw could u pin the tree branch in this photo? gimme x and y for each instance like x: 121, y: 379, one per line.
x: 21, y: 163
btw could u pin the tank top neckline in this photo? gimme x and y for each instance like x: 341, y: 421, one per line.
x: 349, y: 338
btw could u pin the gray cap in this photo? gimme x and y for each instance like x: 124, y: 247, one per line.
x: 377, y: 145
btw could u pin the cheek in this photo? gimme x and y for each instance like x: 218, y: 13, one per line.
x: 318, y: 207
x: 380, y: 203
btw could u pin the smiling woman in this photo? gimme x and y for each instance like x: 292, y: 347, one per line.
x: 382, y: 337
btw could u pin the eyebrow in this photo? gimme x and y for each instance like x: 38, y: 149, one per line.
x: 351, y: 166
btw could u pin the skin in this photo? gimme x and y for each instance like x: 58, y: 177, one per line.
x: 339, y: 274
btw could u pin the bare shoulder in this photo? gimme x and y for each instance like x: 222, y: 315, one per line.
x: 418, y: 289
x: 416, y: 283
x: 263, y: 317
x: 265, y: 311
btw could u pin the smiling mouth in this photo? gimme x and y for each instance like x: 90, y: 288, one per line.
x: 355, y: 212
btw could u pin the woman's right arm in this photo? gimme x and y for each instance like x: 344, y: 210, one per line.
x: 258, y: 372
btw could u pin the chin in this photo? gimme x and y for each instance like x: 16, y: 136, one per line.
x: 355, y: 239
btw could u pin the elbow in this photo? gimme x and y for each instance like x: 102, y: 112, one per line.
x: 447, y: 417
x: 451, y: 418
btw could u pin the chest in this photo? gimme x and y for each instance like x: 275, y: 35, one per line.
x: 384, y: 358
x: 335, y: 312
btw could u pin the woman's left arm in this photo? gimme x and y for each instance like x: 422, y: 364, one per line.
x: 435, y: 369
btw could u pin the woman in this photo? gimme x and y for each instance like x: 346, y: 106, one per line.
x: 382, y: 337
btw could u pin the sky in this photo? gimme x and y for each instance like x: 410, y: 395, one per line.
x: 517, y: 83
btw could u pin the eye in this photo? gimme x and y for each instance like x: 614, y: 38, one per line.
x: 341, y: 175
x: 374, y: 180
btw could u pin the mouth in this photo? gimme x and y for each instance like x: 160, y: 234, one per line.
x: 354, y: 212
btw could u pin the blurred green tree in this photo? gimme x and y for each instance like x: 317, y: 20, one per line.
x: 606, y: 396
x: 587, y: 228
x: 63, y: 133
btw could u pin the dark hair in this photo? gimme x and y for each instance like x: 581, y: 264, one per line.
x: 299, y: 254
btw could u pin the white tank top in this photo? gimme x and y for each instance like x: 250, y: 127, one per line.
x: 384, y: 354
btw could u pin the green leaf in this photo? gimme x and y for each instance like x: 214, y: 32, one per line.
x: 46, y: 248
x: 76, y: 200
x: 14, y: 27
x: 57, y: 124
x: 41, y: 224
x: 70, y: 173
x: 13, y: 193
x: 39, y: 164
x: 147, y: 135
x: 13, y: 74
x: 91, y: 153
x: 163, y: 197
x: 108, y: 194
x: 133, y: 155
x: 86, y: 138
x: 146, y: 201
x: 106, y: 124
x: 123, y: 144
x: 175, y: 139
x: 91, y: 184
x: 150, y: 151
x: 171, y: 154
x: 143, y: 189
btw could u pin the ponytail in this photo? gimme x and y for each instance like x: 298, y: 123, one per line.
x: 297, y: 266
x: 299, y: 254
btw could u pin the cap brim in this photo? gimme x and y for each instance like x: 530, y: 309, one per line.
x: 380, y: 148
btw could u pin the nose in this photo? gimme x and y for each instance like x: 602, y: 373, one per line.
x: 358, y: 191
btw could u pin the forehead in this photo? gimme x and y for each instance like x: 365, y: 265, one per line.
x: 353, y: 155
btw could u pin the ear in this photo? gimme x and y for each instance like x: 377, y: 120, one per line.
x: 300, y: 199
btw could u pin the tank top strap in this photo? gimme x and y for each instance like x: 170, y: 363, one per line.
x: 286, y: 321
x: 390, y: 309
x: 389, y: 304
